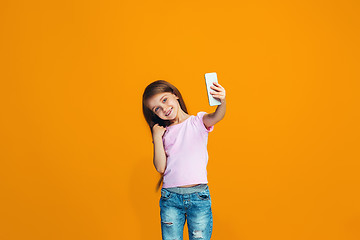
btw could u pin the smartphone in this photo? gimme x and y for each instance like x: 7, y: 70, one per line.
x: 210, y: 78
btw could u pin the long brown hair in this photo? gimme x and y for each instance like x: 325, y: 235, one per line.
x: 159, y: 86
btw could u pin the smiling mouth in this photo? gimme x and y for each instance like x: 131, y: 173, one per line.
x: 168, y: 112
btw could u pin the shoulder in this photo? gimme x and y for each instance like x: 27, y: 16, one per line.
x: 200, y: 117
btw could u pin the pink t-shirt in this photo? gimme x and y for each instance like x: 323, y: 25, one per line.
x: 185, y: 146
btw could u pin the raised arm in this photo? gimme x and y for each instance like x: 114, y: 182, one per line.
x: 211, y: 119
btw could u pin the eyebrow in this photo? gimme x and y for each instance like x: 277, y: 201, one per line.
x: 160, y: 101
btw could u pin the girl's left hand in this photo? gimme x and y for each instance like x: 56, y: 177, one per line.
x: 220, y: 92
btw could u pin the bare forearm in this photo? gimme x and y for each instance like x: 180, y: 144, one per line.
x: 212, y: 118
x: 218, y: 93
x: 220, y: 111
x: 216, y: 116
x: 159, y: 155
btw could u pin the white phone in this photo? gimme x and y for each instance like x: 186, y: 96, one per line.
x: 210, y: 78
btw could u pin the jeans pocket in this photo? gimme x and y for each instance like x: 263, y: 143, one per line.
x: 165, y: 194
x: 204, y: 195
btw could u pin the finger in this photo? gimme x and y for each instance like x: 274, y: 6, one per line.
x: 218, y: 84
x: 218, y: 91
x: 216, y: 88
x: 218, y: 95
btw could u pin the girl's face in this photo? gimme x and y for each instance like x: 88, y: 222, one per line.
x: 164, y: 105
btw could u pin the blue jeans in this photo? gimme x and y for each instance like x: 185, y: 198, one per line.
x: 176, y: 208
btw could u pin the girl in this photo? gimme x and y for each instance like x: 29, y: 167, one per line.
x: 180, y: 155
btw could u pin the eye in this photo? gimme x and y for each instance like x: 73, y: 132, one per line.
x: 157, y: 107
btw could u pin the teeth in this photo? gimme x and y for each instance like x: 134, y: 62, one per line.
x: 169, y: 112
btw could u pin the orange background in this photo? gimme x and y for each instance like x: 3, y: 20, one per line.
x: 76, y: 153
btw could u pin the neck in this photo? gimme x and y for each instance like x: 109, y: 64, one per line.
x: 181, y: 116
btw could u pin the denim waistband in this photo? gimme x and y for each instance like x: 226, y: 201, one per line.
x: 188, y: 190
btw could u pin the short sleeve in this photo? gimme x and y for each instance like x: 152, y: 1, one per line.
x: 200, y: 122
